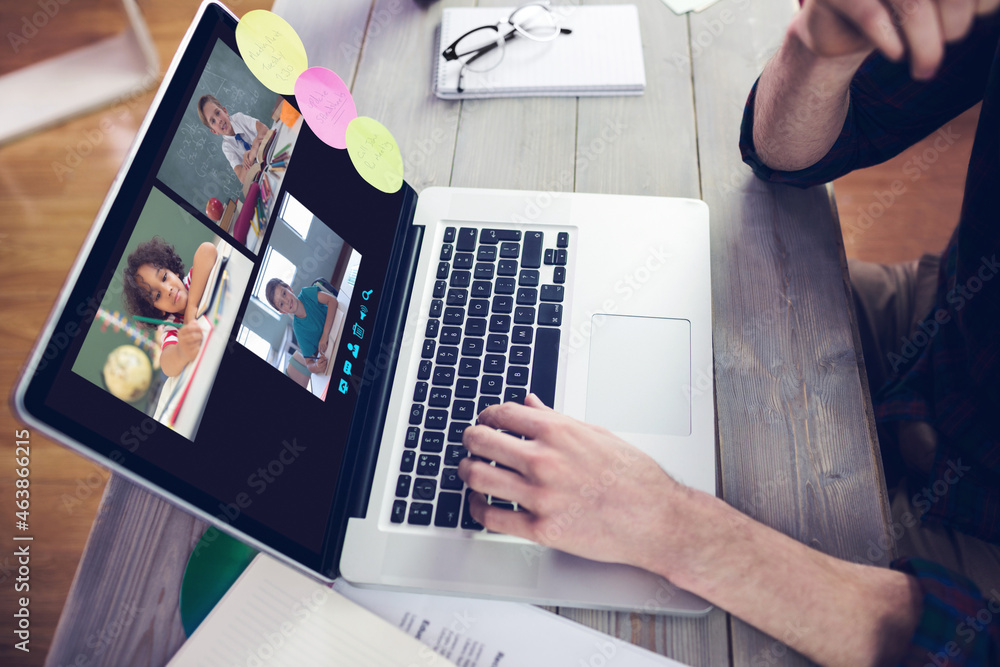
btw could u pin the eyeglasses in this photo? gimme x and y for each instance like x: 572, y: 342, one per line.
x: 481, y: 49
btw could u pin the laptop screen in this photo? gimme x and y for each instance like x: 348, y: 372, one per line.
x: 214, y: 341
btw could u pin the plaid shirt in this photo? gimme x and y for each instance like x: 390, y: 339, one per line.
x: 948, y: 371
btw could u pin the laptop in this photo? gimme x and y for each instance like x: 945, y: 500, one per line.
x: 347, y: 336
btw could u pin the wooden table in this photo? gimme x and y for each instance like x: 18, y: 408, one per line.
x: 796, y: 438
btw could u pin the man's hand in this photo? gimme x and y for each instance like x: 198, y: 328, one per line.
x: 585, y: 491
x: 317, y: 365
x: 917, y: 29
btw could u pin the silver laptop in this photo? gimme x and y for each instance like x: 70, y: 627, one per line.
x: 323, y: 425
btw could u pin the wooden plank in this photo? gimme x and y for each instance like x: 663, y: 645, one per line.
x: 123, y: 606
x: 796, y: 436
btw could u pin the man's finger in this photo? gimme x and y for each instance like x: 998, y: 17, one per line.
x: 874, y: 21
x: 921, y: 25
x: 956, y: 18
x: 527, y: 421
x: 489, y: 443
x: 500, y: 520
x: 532, y: 401
x: 494, y: 481
x: 986, y: 6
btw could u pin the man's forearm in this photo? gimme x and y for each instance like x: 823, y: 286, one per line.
x: 833, y: 611
x: 801, y: 104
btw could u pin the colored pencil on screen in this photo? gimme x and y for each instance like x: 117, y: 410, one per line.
x: 153, y: 320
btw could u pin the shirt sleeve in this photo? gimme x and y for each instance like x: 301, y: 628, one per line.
x: 958, y: 626
x: 889, y: 111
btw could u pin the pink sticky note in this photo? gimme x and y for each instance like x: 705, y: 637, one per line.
x: 326, y: 105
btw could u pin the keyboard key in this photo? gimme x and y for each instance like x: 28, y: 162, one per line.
x: 430, y: 465
x: 455, y: 431
x: 483, y: 272
x: 527, y: 296
x: 473, y: 347
x: 521, y: 335
x: 505, y: 286
x: 447, y: 355
x: 446, y: 250
x: 451, y: 335
x: 403, y: 486
x: 420, y: 392
x: 420, y: 514
x: 449, y: 506
x: 515, y: 394
x: 398, y: 511
x: 551, y: 293
x: 463, y: 410
x: 424, y: 370
x: 479, y: 308
x: 559, y: 274
x: 466, y: 388
x: 486, y: 254
x: 440, y: 287
x: 466, y: 240
x: 531, y: 258
x: 528, y: 278
x: 562, y: 240
x: 424, y: 489
x: 502, y: 504
x: 406, y: 464
x: 561, y: 257
x: 441, y: 397
x: 543, y: 371
x: 519, y: 354
x: 494, y: 236
x: 510, y: 250
x: 524, y: 315
x: 550, y: 256
x: 435, y: 419
x: 463, y: 260
x: 449, y: 234
x: 457, y: 297
x: 428, y: 351
x: 500, y: 323
x: 460, y: 279
x: 498, y: 342
x: 453, y: 454
x: 431, y: 331
x: 450, y: 480
x: 481, y: 289
x: 487, y: 401
x: 475, y: 326
x: 416, y: 413
x: 454, y: 315
x: 437, y: 305
x: 491, y: 385
x: 443, y: 376
x: 412, y: 436
x: 469, y: 367
x: 494, y: 363
x: 550, y: 314
x: 444, y: 268
x: 507, y: 267
x: 468, y: 523
x: 433, y: 441
x: 503, y: 304
x: 517, y: 376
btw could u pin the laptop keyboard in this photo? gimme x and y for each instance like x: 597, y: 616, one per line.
x: 492, y: 335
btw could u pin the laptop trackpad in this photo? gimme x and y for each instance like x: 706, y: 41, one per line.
x: 640, y: 375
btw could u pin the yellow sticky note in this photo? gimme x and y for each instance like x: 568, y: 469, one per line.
x: 375, y: 154
x: 271, y: 49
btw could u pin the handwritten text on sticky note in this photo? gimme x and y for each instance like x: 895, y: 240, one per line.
x: 326, y: 105
x: 375, y: 154
x: 271, y: 49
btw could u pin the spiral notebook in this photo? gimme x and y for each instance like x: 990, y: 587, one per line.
x: 602, y: 56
